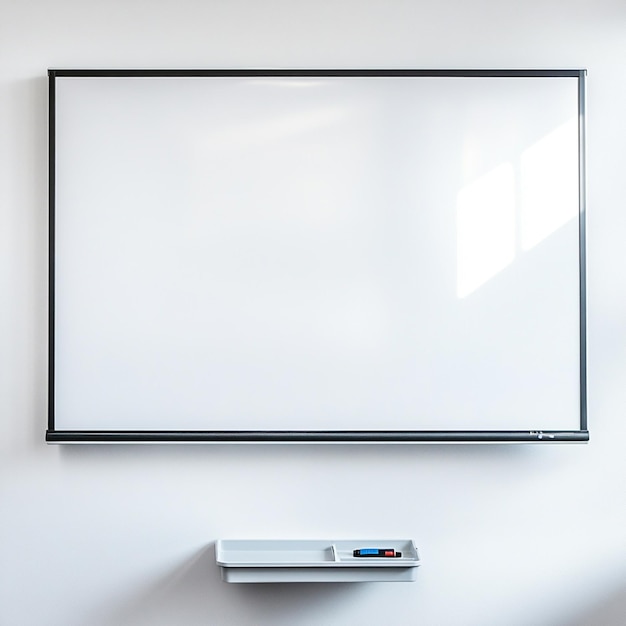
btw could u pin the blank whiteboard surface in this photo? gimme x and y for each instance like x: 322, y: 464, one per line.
x: 316, y: 253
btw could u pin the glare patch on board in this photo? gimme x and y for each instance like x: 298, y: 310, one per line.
x: 485, y: 228
x: 549, y: 184
x: 288, y: 83
x: 270, y: 130
x: 258, y: 169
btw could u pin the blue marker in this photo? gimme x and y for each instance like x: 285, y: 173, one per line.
x: 384, y: 552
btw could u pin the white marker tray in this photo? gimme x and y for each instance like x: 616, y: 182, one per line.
x: 294, y: 560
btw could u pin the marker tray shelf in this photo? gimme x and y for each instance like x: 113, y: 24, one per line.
x: 308, y: 560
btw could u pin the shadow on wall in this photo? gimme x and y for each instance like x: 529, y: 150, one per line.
x: 194, y: 594
x: 612, y: 612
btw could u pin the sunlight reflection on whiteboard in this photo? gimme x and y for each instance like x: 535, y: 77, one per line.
x: 486, y: 208
x: 485, y: 228
x: 549, y: 175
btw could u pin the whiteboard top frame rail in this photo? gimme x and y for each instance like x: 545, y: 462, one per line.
x: 308, y: 72
x: 57, y: 436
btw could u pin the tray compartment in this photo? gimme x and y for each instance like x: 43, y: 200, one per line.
x: 293, y: 560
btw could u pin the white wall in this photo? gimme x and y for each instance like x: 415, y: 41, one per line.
x: 116, y: 536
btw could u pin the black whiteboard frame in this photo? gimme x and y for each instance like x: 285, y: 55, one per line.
x: 53, y: 435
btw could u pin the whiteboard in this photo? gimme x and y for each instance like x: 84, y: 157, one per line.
x: 368, y: 255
